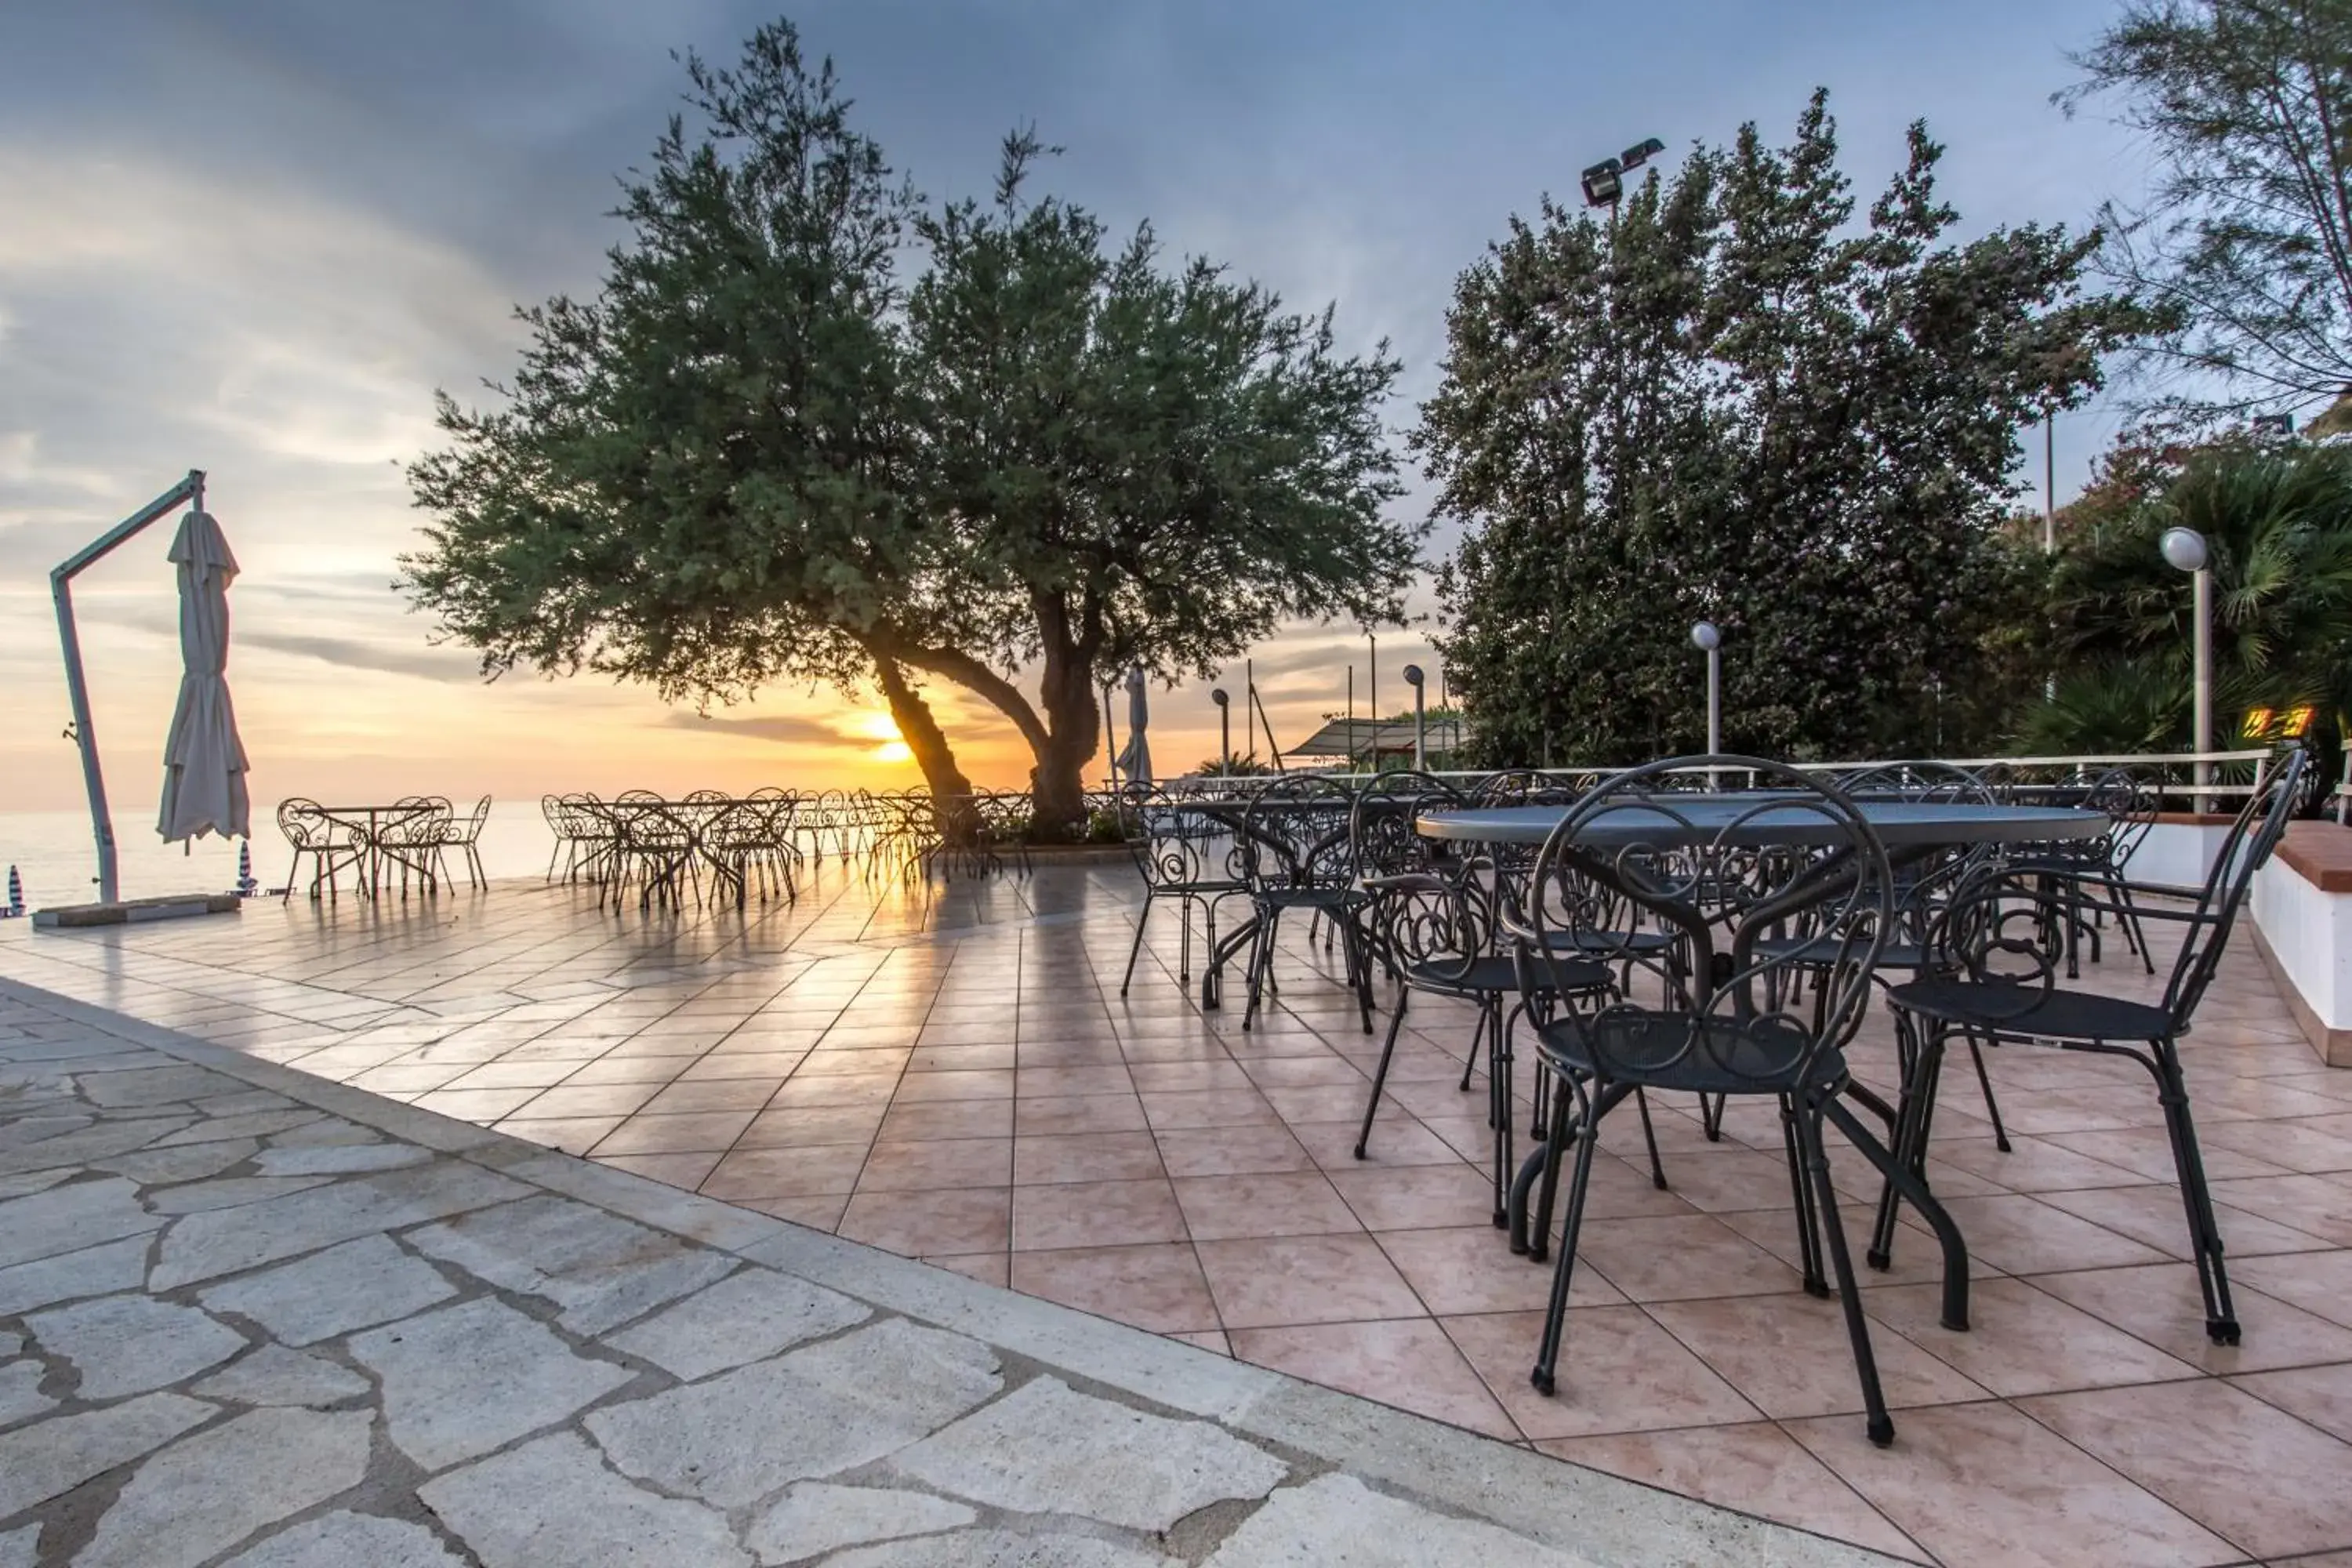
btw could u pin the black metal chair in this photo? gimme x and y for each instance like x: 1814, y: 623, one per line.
x: 1715, y: 1018
x: 1994, y: 979
x: 1298, y: 854
x: 411, y: 840
x: 1921, y: 890
x: 1433, y: 925
x: 331, y: 843
x: 463, y: 834
x: 1186, y: 858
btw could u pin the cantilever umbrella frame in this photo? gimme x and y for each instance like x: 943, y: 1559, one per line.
x: 190, y: 490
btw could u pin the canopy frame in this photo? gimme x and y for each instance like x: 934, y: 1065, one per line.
x: 190, y: 490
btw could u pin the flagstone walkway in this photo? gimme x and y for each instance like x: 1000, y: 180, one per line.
x: 952, y: 1074
x: 253, y: 1319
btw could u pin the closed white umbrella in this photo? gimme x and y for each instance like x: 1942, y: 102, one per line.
x: 204, y: 761
x: 1135, y: 757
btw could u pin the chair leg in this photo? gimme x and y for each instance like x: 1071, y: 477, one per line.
x: 1380, y: 1074
x: 1556, y: 1311
x: 1984, y: 1084
x: 1809, y: 1222
x: 1915, y: 1191
x: 1498, y: 1083
x: 1142, y: 919
x: 1471, y: 1065
x: 2204, y: 1230
x: 1917, y: 1113
x: 1650, y: 1137
x: 1881, y: 1426
x: 1261, y: 966
x: 1567, y: 1123
x: 2134, y: 933
x: 1710, y: 1116
x: 1364, y: 945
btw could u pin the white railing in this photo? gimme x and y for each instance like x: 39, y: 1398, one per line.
x: 2175, y: 770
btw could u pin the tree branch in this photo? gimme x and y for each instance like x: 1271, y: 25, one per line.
x: 973, y: 676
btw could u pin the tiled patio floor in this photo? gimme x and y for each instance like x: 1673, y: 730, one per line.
x: 955, y: 1077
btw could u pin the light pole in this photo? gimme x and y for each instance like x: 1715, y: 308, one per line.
x: 2185, y: 551
x: 1709, y: 641
x: 1372, y: 694
x: 1224, y: 731
x: 1604, y: 186
x: 1412, y: 677
x: 1110, y: 736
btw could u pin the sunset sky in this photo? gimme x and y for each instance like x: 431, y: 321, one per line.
x: 254, y: 236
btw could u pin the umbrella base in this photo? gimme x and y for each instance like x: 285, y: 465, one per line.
x: 132, y: 911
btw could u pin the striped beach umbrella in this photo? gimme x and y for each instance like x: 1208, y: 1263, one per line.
x: 245, y: 882
x: 15, y: 892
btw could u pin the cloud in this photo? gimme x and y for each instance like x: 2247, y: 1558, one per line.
x: 785, y: 727
x: 353, y: 654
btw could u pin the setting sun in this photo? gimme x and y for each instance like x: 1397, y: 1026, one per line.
x: 884, y: 730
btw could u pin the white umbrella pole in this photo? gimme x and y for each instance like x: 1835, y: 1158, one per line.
x: 190, y: 489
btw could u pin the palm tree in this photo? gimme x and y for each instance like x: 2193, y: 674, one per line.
x: 2277, y: 521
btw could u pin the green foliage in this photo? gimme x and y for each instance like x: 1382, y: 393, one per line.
x: 693, y: 480
x: 1730, y: 402
x: 1239, y: 767
x: 756, y: 456
x: 1145, y: 465
x: 2109, y: 708
x: 2246, y: 240
x: 2277, y: 521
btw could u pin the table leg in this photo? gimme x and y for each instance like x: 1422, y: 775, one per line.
x: 1220, y: 950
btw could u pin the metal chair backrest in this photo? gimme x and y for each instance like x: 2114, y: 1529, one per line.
x: 307, y: 826
x: 1935, y: 783
x: 1174, y: 843
x: 2259, y: 823
x: 2132, y: 804
x: 1380, y: 822
x: 1295, y: 836
x: 1725, y: 872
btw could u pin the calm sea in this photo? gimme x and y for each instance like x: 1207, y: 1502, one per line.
x: 55, y: 855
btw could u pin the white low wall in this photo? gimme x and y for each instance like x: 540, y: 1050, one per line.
x: 2301, y: 910
x: 2177, y: 852
x: 2309, y: 934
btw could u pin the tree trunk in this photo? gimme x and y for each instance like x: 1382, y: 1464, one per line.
x: 951, y: 791
x: 1058, y: 786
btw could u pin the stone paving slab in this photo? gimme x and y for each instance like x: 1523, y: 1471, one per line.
x: 461, y: 1350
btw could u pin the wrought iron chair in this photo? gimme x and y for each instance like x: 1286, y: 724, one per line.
x: 1994, y: 978
x: 583, y: 836
x: 1921, y: 891
x: 1297, y: 853
x: 2131, y: 805
x: 1433, y: 925
x: 1006, y: 816
x: 331, y: 843
x: 654, y: 846
x: 411, y: 840
x: 1720, y: 1022
x: 463, y: 834
x: 1185, y: 857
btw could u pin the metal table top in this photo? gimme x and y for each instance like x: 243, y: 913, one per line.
x: 1758, y: 819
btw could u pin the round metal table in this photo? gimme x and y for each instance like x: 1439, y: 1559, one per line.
x: 1910, y: 830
